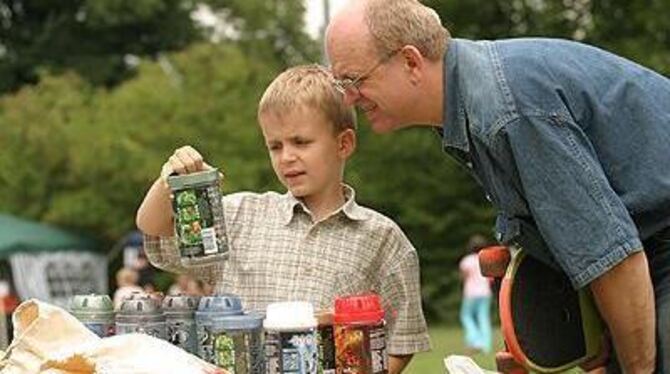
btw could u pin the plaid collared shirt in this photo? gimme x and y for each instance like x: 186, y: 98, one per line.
x: 278, y: 253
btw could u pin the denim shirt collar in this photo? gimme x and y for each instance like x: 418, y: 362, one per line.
x: 454, y: 126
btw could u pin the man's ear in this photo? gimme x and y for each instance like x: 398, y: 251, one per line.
x: 346, y: 143
x: 413, y: 62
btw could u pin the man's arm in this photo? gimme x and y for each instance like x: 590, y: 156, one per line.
x: 625, y: 298
x: 398, y: 363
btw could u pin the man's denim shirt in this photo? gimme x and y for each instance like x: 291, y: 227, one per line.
x: 570, y: 142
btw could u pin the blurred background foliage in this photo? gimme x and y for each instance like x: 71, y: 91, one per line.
x: 95, y: 95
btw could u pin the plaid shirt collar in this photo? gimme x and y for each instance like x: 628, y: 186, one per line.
x: 350, y: 209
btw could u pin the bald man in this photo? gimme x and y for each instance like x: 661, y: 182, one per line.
x: 570, y: 142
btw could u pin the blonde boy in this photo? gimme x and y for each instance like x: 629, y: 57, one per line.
x: 314, y: 242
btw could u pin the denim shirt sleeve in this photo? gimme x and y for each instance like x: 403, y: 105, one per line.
x: 585, y: 225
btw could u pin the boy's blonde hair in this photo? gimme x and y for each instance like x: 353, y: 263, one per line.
x: 308, y: 86
x: 396, y: 23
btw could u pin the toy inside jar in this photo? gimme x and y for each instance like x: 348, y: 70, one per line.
x: 360, y: 337
x: 238, y: 343
x: 198, y: 217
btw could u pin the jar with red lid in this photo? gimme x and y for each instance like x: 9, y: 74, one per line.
x: 360, y: 336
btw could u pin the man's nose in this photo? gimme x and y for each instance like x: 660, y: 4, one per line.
x: 351, y: 97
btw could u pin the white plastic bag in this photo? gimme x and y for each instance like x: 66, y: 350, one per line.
x: 49, y: 340
x: 463, y: 365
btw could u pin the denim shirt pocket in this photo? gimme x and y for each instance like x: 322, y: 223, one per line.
x: 523, y: 234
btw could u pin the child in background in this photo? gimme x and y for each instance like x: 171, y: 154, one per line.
x: 126, y: 281
x: 476, y: 303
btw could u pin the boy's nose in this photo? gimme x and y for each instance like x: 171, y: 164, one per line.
x: 288, y: 156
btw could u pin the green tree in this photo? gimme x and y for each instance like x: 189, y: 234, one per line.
x: 90, y: 36
x: 638, y: 30
x: 101, y: 39
x: 83, y: 157
x: 270, y: 29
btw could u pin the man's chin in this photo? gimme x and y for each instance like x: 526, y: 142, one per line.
x: 382, y: 127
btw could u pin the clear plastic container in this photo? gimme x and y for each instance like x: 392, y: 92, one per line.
x: 238, y: 343
x: 96, y: 312
x: 179, y: 313
x: 198, y: 218
x: 209, y: 308
x: 141, y: 313
x: 360, y: 337
x: 290, y: 338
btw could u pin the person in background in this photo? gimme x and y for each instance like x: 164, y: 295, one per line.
x: 146, y: 273
x: 476, y: 302
x: 126, y: 283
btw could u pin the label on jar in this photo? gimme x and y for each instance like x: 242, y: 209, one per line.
x: 195, y: 216
x: 182, y: 334
x: 224, y: 352
x: 291, y: 352
x: 205, y: 343
x: 326, y: 344
x: 361, y: 349
x: 239, y: 352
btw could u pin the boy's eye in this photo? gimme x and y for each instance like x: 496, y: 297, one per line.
x: 302, y: 141
x: 274, y: 147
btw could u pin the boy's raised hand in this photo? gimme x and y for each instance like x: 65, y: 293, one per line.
x: 184, y: 160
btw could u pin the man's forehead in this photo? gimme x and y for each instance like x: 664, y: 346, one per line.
x: 350, y: 56
x: 348, y: 42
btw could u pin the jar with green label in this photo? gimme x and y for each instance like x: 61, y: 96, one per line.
x: 238, y: 343
x: 198, y: 217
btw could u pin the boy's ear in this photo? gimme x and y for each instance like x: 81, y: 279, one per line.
x: 347, y: 143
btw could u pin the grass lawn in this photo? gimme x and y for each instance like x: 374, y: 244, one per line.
x: 448, y: 340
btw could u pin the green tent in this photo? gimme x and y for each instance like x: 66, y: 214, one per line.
x: 19, y: 235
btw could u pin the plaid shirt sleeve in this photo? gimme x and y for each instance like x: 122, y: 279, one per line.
x: 401, y: 290
x: 162, y: 252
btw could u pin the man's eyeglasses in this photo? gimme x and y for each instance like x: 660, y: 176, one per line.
x: 345, y: 85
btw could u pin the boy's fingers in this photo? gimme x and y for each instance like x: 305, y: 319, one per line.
x: 166, y: 170
x: 190, y: 158
x: 177, y: 164
x: 195, y: 157
x: 184, y: 161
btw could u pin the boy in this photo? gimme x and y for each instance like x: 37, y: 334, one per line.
x: 315, y: 242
